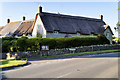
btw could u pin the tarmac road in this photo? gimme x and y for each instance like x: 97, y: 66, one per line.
x: 88, y: 66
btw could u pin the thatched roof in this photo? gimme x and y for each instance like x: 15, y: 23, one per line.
x: 71, y: 24
x: 17, y: 28
x: 107, y: 26
x: 25, y: 28
x: 1, y: 27
x: 10, y: 28
x: 56, y: 22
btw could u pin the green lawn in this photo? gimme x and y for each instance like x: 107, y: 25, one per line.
x: 9, y: 63
x: 75, y: 54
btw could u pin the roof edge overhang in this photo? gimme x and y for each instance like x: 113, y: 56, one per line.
x: 70, y: 33
x: 109, y: 28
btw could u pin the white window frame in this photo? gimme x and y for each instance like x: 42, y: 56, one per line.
x: 56, y: 32
x: 78, y: 34
x: 107, y: 34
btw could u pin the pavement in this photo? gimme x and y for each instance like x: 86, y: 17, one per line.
x: 87, y: 66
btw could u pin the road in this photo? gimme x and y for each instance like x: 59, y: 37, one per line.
x: 88, y: 66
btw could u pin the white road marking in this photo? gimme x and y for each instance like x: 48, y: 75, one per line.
x: 64, y: 75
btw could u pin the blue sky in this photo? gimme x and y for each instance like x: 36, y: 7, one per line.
x: 15, y: 10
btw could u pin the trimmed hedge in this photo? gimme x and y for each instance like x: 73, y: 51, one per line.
x: 119, y: 40
x: 34, y: 44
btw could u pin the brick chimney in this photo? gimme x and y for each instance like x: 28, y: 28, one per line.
x: 39, y: 9
x: 101, y: 17
x: 23, y: 18
x: 8, y: 20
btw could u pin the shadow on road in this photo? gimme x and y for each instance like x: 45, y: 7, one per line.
x: 3, y: 77
x: 103, y: 55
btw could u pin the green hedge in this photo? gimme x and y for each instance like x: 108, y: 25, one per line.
x: 34, y: 44
x: 119, y: 40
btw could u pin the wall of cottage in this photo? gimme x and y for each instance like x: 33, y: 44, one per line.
x: 39, y: 28
x: 65, y: 51
x: 108, y: 34
x: 62, y: 35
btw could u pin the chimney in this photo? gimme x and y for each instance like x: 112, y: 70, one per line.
x: 101, y: 17
x: 8, y: 20
x: 39, y: 9
x: 23, y: 18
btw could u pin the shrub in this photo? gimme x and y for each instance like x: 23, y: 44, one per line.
x: 51, y: 42
x: 6, y: 46
x: 13, y: 46
x: 21, y: 43
x: 34, y: 44
x: 119, y: 41
x: 9, y: 38
x: 113, y: 42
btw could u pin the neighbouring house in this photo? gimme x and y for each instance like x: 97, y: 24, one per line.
x: 1, y: 27
x: 51, y: 25
x: 9, y: 28
x: 24, y: 29
x: 17, y: 29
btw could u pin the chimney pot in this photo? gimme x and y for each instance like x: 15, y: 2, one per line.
x: 101, y: 17
x: 39, y: 9
x: 23, y: 18
x: 8, y: 20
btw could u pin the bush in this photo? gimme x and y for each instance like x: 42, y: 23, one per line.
x: 21, y: 43
x: 34, y: 44
x: 103, y: 40
x: 51, y: 42
x: 9, y: 38
x: 119, y: 41
x: 6, y: 46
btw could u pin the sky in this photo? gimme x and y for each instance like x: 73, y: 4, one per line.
x: 15, y: 10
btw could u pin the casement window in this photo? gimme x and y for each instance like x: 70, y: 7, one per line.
x: 56, y: 32
x: 78, y: 34
x: 107, y: 34
x: 92, y: 34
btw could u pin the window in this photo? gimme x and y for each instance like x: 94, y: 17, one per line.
x: 55, y: 32
x: 107, y: 34
x: 78, y: 34
x: 92, y: 34
x: 68, y: 35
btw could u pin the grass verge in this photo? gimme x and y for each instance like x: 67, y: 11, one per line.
x: 75, y: 54
x: 10, y: 63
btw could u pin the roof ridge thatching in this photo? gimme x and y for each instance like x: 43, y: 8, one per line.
x: 69, y: 16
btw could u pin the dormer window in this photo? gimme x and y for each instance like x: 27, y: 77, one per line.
x: 16, y: 36
x: 78, y: 34
x: 24, y: 35
x: 55, y: 32
x: 92, y: 33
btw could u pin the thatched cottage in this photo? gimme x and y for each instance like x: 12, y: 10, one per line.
x: 51, y: 25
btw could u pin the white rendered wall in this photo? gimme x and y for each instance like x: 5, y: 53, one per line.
x: 110, y: 34
x: 39, y: 28
x: 62, y: 35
